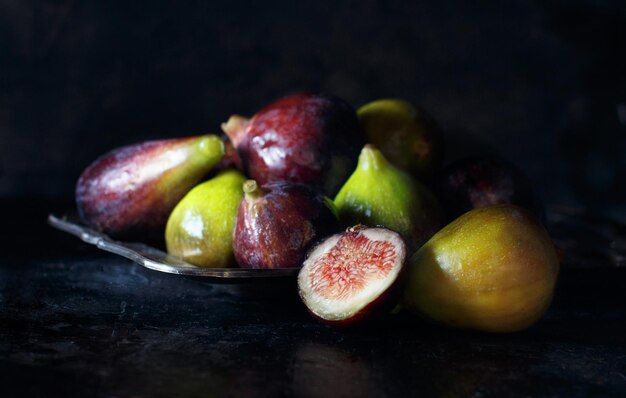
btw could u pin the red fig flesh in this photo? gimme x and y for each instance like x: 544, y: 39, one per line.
x: 347, y: 276
x: 277, y: 223
x: 305, y: 138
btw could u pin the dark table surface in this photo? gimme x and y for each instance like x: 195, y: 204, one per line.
x: 75, y: 321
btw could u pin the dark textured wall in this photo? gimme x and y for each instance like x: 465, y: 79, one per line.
x: 541, y: 82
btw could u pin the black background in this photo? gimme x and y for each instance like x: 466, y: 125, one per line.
x: 541, y: 82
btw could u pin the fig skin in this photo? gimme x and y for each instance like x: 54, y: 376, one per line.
x: 199, y: 230
x: 313, y: 139
x: 407, y: 135
x: 378, y: 193
x: 230, y: 160
x: 493, y: 269
x: 278, y: 222
x: 130, y: 191
x: 484, y: 181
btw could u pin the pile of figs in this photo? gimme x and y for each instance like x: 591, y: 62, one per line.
x: 358, y: 200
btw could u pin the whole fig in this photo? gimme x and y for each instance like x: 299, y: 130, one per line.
x: 277, y: 223
x: 407, y: 135
x: 200, y: 228
x: 492, y: 269
x: 484, y: 181
x: 130, y: 191
x: 378, y: 193
x: 306, y: 138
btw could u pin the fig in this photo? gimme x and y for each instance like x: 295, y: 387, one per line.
x: 407, y: 135
x: 378, y: 193
x: 313, y: 139
x: 277, y: 223
x: 130, y: 191
x: 200, y: 228
x: 351, y: 276
x: 230, y: 160
x: 484, y: 181
x: 493, y: 269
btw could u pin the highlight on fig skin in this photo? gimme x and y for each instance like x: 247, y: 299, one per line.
x: 277, y: 223
x: 199, y: 229
x: 352, y: 276
x: 306, y: 138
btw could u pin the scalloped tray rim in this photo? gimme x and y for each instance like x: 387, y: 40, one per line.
x: 156, y: 259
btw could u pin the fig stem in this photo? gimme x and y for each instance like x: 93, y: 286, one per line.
x: 371, y: 157
x: 234, y: 128
x: 252, y: 190
x: 369, y: 147
x: 356, y: 228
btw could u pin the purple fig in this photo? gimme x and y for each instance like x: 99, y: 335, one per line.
x: 131, y: 191
x: 306, y: 138
x: 483, y: 181
x: 277, y: 223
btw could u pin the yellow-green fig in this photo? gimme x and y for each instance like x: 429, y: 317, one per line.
x: 200, y: 228
x: 407, y: 135
x: 378, y: 193
x: 492, y: 269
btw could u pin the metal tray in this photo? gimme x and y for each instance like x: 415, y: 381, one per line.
x: 158, y: 260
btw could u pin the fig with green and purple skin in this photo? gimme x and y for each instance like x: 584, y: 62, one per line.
x: 278, y: 222
x: 378, y: 193
x: 353, y: 276
x: 484, y: 181
x: 407, y: 135
x: 130, y: 191
x: 313, y: 139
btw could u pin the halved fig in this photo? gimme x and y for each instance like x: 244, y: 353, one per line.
x: 350, y: 276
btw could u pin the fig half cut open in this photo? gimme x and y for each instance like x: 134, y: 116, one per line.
x: 350, y: 276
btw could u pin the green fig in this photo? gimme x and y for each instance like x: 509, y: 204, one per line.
x: 130, y: 191
x: 200, y: 228
x: 408, y: 136
x: 378, y: 193
x: 492, y: 269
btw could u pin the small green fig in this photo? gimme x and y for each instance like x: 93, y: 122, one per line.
x: 200, y: 228
x: 378, y: 193
x: 408, y: 136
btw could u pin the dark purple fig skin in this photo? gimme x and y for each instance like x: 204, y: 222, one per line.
x: 276, y: 226
x: 313, y: 139
x: 230, y: 160
x: 117, y: 194
x: 484, y: 181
